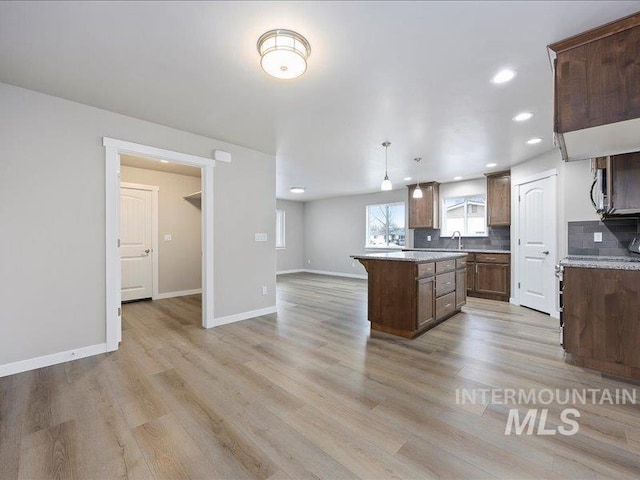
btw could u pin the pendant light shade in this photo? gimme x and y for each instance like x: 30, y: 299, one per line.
x: 417, y: 192
x: 283, y: 53
x: 386, y: 183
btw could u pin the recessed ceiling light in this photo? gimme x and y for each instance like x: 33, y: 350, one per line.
x: 296, y: 189
x: 503, y: 76
x: 534, y: 140
x: 457, y: 178
x: 164, y: 161
x: 522, y: 117
x: 491, y: 165
x: 406, y: 179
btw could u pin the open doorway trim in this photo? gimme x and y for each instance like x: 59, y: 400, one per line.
x: 113, y: 149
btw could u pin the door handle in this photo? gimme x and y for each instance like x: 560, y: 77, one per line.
x: 546, y: 252
x: 146, y: 252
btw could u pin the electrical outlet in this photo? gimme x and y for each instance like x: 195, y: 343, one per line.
x: 309, y: 262
x: 428, y: 238
x: 167, y: 237
x: 597, y: 236
x: 260, y: 237
x: 264, y: 290
x: 353, y: 264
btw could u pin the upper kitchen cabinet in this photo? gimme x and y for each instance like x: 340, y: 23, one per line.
x: 499, y: 199
x: 597, y: 90
x: 424, y: 212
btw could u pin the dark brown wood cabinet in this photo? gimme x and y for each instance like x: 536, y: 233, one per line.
x: 461, y: 287
x: 489, y: 276
x: 407, y: 298
x: 597, y: 76
x: 499, y: 199
x: 425, y: 212
x: 601, y: 319
x: 623, y: 177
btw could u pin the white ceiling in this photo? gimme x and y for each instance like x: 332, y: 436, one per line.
x: 416, y: 74
x: 152, y: 164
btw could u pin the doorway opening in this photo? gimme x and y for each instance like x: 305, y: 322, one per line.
x: 115, y: 150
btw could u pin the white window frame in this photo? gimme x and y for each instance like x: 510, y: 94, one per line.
x: 281, y: 229
x: 366, y: 227
x: 465, y: 234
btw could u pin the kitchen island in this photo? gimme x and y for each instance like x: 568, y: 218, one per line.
x: 411, y: 292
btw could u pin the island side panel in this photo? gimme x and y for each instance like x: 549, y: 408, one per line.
x: 392, y: 296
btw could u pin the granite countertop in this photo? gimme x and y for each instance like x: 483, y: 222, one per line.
x: 593, y: 261
x: 465, y: 250
x: 411, y: 256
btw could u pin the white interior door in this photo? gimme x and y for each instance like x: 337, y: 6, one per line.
x: 136, y: 243
x: 537, y: 244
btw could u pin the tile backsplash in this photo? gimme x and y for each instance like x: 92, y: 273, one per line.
x: 499, y: 239
x: 616, y: 236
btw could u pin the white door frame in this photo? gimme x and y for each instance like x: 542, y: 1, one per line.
x: 113, y: 149
x: 553, y: 173
x: 154, y: 189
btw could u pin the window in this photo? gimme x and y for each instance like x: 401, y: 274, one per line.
x: 280, y: 232
x: 467, y: 215
x: 385, y: 225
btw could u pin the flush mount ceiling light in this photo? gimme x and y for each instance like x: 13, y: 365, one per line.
x: 417, y: 192
x: 406, y: 179
x: 164, y: 161
x: 296, y: 189
x: 283, y: 53
x: 522, y: 117
x: 534, y: 140
x: 503, y: 76
x: 457, y: 178
x: 386, y: 183
x: 491, y: 165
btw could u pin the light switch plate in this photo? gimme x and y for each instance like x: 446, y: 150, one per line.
x: 261, y: 237
x: 597, y: 236
x: 167, y: 237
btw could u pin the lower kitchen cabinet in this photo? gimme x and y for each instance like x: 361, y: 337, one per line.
x: 489, y: 276
x: 426, y: 288
x: 461, y: 287
x: 601, y: 318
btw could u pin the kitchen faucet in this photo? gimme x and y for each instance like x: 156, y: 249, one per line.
x: 453, y: 237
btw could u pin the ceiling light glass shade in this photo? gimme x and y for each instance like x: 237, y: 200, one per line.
x: 386, y: 184
x: 533, y: 141
x: 491, y: 165
x: 296, y: 189
x: 417, y: 193
x: 283, y: 53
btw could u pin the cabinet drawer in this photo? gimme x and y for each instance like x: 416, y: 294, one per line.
x: 446, y: 266
x: 425, y: 269
x: 492, y: 257
x: 445, y: 305
x: 461, y: 263
x: 445, y: 283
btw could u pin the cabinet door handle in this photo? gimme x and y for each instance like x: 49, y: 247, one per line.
x: 447, y: 305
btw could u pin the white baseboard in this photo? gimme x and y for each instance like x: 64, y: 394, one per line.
x: 284, y: 272
x: 236, y: 317
x: 513, y: 301
x: 183, y: 293
x: 52, y: 359
x: 337, y: 274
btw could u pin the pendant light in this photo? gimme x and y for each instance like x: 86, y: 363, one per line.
x: 386, y: 183
x: 417, y: 192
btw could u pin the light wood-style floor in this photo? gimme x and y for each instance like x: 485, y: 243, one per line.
x: 307, y: 394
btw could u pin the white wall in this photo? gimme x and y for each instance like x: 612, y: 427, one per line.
x: 179, y: 260
x: 335, y: 228
x: 52, y: 221
x: 292, y: 256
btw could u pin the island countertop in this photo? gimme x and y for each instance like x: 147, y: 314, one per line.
x: 464, y: 250
x: 414, y: 256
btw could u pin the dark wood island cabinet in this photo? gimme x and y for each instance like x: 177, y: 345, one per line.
x: 411, y: 292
